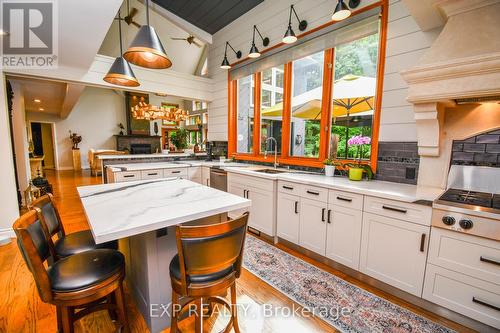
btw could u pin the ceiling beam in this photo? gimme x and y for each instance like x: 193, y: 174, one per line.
x: 73, y: 92
x: 181, y: 23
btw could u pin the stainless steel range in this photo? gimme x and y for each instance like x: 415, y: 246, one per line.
x: 471, y: 203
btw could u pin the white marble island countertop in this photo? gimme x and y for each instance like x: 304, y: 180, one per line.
x: 120, y: 210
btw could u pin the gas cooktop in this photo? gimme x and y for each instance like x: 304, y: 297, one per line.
x: 471, y: 200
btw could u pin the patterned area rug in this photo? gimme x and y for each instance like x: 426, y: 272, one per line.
x: 328, y: 296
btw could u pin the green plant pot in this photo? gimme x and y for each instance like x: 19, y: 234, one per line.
x: 355, y: 173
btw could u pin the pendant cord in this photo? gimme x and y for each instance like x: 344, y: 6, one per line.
x: 120, y: 31
x: 290, y: 17
x: 147, y: 12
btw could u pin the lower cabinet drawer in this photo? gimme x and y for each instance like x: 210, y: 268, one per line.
x: 175, y: 172
x: 151, y: 174
x: 474, y: 298
x: 127, y: 176
x: 410, y: 212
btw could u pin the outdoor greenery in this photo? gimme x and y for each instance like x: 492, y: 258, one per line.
x: 357, y: 57
x: 179, y: 138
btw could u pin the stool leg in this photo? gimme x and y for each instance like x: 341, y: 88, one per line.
x: 234, y: 308
x: 112, y: 312
x: 67, y: 319
x: 59, y: 321
x: 174, y: 314
x: 120, y: 305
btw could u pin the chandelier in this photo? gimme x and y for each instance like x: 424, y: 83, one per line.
x: 144, y: 111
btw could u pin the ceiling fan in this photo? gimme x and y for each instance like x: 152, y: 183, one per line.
x: 190, y: 39
x: 129, y: 19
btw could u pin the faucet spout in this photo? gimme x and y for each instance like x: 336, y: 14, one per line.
x: 275, y: 150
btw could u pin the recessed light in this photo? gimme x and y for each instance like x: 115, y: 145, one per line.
x: 41, y: 109
x: 36, y: 100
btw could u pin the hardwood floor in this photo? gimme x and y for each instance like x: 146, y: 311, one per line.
x: 22, y: 311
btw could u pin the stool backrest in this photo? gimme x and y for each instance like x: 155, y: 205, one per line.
x: 32, y: 240
x: 211, y: 248
x: 50, y: 214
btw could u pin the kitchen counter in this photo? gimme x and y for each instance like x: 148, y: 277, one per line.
x: 388, y: 190
x: 140, y: 156
x: 121, y: 210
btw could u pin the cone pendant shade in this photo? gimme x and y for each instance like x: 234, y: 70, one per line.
x: 121, y: 74
x: 146, y: 50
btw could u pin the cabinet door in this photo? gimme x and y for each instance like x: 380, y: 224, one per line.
x: 288, y: 217
x: 394, y: 251
x: 236, y: 189
x: 194, y: 174
x: 312, y: 235
x: 343, y: 237
x: 205, y: 176
x: 263, y: 210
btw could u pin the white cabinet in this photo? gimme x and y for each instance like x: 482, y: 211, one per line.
x: 394, y: 251
x: 236, y: 189
x: 127, y: 176
x: 288, y: 217
x: 205, y: 175
x: 194, y: 174
x: 312, y: 234
x: 151, y: 174
x: 262, y: 193
x: 343, y: 237
x: 176, y: 172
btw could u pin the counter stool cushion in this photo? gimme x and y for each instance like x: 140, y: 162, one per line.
x: 80, y: 241
x: 175, y: 272
x: 84, y: 269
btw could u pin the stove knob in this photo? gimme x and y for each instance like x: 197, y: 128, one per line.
x: 448, y: 220
x: 466, y: 224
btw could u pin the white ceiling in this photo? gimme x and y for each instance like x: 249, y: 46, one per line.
x: 184, y: 57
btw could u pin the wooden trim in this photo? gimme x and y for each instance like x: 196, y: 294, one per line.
x: 256, y: 112
x: 326, y: 104
x: 287, y: 110
x: 380, y: 84
x: 232, y: 115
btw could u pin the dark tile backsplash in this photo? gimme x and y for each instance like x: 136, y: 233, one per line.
x: 482, y: 149
x: 398, y: 162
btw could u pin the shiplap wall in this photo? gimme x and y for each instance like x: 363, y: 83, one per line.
x: 405, y: 44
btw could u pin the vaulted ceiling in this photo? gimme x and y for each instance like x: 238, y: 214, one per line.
x: 208, y: 15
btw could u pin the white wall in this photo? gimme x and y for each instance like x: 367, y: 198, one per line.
x: 8, y: 209
x: 405, y: 44
x: 95, y: 117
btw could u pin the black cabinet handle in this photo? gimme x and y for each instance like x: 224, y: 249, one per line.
x: 176, y: 172
x: 329, y: 216
x: 128, y: 176
x: 314, y: 193
x: 296, y: 207
x: 398, y: 210
x: 480, y: 301
x: 344, y: 199
x: 153, y: 174
x: 489, y: 260
x: 207, y: 181
x: 245, y: 194
x: 323, y: 210
x: 422, y: 243
x: 287, y: 187
x: 248, y: 194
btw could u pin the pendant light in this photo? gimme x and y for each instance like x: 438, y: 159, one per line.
x: 254, y: 51
x: 341, y: 11
x: 146, y: 49
x: 225, y: 63
x: 290, y: 37
x: 121, y: 73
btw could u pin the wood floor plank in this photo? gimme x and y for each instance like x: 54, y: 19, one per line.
x: 22, y: 311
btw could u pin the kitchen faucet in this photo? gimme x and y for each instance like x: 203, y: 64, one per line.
x: 275, y: 150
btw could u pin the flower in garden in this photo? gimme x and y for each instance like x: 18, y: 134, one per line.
x: 359, y: 140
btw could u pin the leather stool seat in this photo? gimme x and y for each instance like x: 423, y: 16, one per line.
x: 84, y: 269
x: 78, y: 242
x: 175, y: 272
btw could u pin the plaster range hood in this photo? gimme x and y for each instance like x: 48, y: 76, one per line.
x: 463, y: 65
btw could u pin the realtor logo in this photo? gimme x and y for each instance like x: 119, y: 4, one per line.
x: 29, y: 38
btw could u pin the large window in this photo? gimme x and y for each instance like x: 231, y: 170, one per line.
x: 245, y: 115
x: 307, y: 91
x: 325, y: 93
x: 271, y: 107
x: 354, y: 88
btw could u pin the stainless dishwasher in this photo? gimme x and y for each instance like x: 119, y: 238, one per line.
x: 218, y: 178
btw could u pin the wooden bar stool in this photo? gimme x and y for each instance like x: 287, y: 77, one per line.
x: 76, y: 285
x: 66, y: 244
x: 207, y: 264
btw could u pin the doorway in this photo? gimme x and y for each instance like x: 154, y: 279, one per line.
x: 42, y: 136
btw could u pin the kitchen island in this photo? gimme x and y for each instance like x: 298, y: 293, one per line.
x: 142, y: 215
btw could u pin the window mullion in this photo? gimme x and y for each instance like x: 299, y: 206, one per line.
x: 256, y: 119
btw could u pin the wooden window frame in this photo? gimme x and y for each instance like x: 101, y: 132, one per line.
x: 326, y: 104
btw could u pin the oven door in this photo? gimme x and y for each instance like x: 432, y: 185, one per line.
x: 218, y: 179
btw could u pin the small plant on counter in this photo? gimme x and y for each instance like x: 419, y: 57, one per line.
x: 331, y: 162
x: 356, y: 169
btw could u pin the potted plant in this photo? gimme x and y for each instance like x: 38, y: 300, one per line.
x: 179, y: 138
x: 356, y: 169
